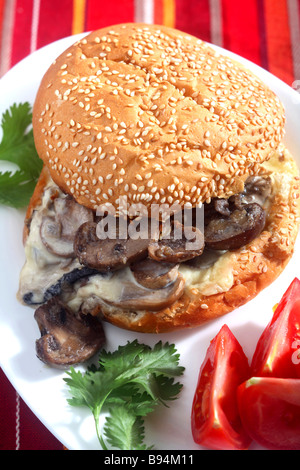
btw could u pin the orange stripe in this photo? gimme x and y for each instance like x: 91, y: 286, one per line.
x: 78, y: 22
x: 279, y: 47
x: 169, y: 13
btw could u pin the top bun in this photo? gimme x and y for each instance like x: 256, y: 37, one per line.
x: 154, y: 114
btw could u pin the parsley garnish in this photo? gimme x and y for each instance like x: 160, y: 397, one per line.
x: 128, y: 385
x: 17, y: 147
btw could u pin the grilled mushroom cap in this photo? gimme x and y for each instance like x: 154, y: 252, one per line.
x: 65, y: 338
x: 183, y: 244
x: 236, y: 230
x: 107, y: 254
x: 154, y: 274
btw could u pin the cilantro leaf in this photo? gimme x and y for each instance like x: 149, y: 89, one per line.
x: 17, y: 147
x: 15, y: 188
x: 166, y: 389
x: 124, y: 430
x: 140, y: 364
x: 130, y: 383
x: 141, y: 403
x: 82, y: 389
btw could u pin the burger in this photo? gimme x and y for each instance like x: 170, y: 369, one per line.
x: 138, y: 116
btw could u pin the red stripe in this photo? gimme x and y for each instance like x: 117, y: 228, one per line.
x: 158, y: 11
x: 262, y: 34
x: 1, y: 18
x: 241, y: 29
x: 279, y: 40
x: 22, y: 30
x: 7, y: 414
x: 194, y: 18
x: 110, y: 12
x: 55, y: 21
x: 1, y: 22
x: 33, y: 434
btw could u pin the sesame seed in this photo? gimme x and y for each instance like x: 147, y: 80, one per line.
x: 164, y: 126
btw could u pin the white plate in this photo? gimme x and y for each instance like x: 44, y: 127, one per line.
x: 43, y: 388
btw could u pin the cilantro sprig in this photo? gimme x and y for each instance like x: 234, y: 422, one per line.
x: 17, y: 147
x: 128, y: 384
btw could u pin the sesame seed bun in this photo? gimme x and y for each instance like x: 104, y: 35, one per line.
x: 252, y: 267
x: 154, y: 114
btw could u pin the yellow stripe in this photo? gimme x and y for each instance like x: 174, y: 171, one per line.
x: 78, y: 16
x: 169, y: 13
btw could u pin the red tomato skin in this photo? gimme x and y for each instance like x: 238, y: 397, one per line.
x: 215, y: 418
x: 270, y: 411
x: 277, y: 353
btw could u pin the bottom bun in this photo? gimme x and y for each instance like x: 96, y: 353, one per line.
x: 251, y: 268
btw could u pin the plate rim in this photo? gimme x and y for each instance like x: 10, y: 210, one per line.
x: 60, y: 42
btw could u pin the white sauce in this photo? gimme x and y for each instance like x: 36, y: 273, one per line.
x: 43, y: 269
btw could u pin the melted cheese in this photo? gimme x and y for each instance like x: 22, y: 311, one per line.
x: 42, y: 269
x: 282, y: 172
x: 210, y: 280
x: 108, y: 288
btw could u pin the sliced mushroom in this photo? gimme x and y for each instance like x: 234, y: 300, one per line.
x: 154, y: 274
x: 240, y: 228
x: 137, y: 298
x: 107, y: 254
x: 71, y: 216
x: 257, y: 190
x: 65, y: 339
x: 51, y: 236
x: 67, y: 280
x: 183, y: 244
x: 58, y: 231
x: 221, y: 206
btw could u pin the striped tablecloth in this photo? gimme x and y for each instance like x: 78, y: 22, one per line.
x: 266, y: 32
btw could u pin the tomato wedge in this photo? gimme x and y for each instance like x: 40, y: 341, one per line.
x: 277, y: 352
x: 215, y: 419
x: 270, y: 411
